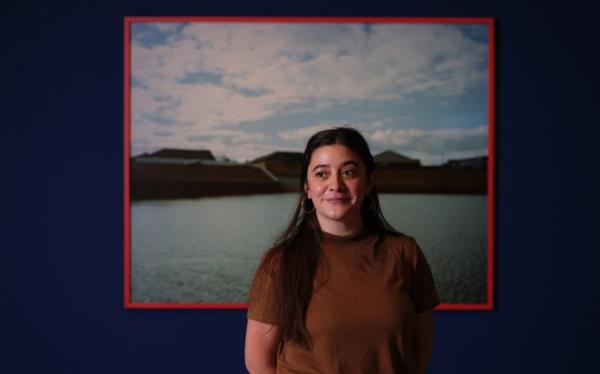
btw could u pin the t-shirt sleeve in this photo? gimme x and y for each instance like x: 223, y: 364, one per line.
x: 262, y: 305
x: 422, y: 291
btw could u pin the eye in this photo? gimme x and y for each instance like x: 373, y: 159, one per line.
x: 320, y: 174
x: 349, y: 172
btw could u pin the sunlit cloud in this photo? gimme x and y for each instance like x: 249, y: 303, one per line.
x: 433, y: 146
x: 191, y: 81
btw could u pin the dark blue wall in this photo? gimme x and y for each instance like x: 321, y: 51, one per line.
x: 61, y: 177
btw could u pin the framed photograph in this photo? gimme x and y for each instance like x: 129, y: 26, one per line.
x: 218, y: 112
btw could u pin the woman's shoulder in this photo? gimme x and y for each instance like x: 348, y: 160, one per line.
x: 401, y: 240
x: 271, y: 259
x: 401, y: 245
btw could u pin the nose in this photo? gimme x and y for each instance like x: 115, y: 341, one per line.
x: 337, y: 182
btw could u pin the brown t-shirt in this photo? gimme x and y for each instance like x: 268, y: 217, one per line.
x: 362, y: 313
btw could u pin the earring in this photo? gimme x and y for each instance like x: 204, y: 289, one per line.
x: 302, y: 204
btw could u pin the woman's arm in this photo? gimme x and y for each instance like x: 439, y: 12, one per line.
x: 262, y: 341
x: 423, y: 340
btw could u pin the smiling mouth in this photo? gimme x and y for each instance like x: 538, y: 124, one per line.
x: 337, y: 200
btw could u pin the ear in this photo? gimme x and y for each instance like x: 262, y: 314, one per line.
x: 371, y: 181
x: 306, y: 190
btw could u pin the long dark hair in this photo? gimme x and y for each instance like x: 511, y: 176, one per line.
x: 295, y: 255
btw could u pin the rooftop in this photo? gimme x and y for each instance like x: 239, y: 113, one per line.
x: 296, y: 157
x: 391, y: 156
x: 183, y: 153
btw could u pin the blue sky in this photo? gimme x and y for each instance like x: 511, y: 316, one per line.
x: 244, y: 90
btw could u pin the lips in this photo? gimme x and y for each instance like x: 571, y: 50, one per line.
x: 338, y: 200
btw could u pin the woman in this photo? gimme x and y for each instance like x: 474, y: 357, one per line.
x: 340, y: 291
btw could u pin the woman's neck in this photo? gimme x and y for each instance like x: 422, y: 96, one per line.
x: 346, y: 227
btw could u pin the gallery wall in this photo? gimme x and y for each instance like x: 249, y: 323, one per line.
x: 62, y: 183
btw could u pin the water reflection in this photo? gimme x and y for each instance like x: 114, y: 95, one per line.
x: 206, y: 250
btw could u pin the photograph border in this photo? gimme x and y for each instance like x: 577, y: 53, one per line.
x: 129, y: 20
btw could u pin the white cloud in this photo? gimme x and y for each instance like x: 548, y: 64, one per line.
x: 432, y: 146
x: 304, y: 133
x: 165, y: 26
x: 403, y: 135
x: 296, y: 62
x: 240, y: 152
x: 258, y: 70
x: 229, y: 137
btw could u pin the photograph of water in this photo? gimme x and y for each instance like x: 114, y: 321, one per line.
x: 206, y: 250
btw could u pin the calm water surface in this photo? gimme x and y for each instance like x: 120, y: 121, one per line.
x: 206, y: 250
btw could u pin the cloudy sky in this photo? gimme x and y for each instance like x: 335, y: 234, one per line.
x: 244, y: 90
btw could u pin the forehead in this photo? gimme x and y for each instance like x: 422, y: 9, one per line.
x: 333, y: 155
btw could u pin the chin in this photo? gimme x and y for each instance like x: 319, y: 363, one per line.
x: 338, y: 214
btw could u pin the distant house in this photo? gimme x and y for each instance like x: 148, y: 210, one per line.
x: 400, y: 174
x: 472, y: 162
x: 393, y: 159
x: 281, y: 156
x: 188, y: 154
x: 176, y: 173
x: 284, y: 165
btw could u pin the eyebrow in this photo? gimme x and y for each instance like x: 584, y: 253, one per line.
x: 349, y: 162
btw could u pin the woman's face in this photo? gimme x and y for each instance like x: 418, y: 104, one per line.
x: 337, y: 183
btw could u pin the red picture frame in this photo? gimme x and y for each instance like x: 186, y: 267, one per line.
x: 128, y: 21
